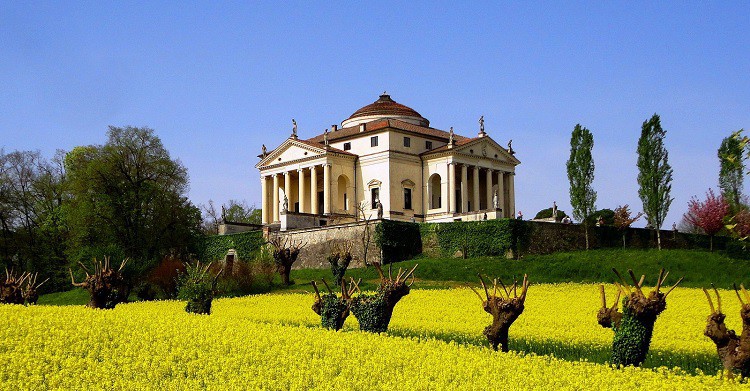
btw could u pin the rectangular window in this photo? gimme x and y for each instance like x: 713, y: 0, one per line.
x: 407, y: 142
x: 428, y: 145
x: 407, y: 198
x: 374, y: 141
x: 347, y: 146
x: 375, y: 197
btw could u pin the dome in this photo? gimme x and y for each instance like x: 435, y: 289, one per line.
x: 385, y: 107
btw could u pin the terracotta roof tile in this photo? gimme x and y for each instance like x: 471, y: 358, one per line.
x: 382, y: 124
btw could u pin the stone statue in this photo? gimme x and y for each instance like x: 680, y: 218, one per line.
x: 481, y: 126
x: 325, y: 137
x: 294, y: 129
x: 223, y: 214
x: 285, y: 205
x: 380, y: 208
x: 510, y: 147
x: 451, y: 139
x: 496, y: 201
x: 265, y: 152
x: 554, y: 210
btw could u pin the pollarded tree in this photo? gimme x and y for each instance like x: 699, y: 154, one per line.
x: 623, y: 220
x: 733, y: 350
x: 373, y: 312
x: 654, y: 174
x: 285, y: 253
x: 708, y: 215
x: 581, y: 175
x: 334, y: 310
x: 635, y: 325
x: 504, y: 309
x: 107, y: 287
x: 731, y: 168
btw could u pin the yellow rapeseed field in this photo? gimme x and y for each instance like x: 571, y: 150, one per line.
x: 274, y: 342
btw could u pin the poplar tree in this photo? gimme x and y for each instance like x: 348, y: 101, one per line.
x: 731, y: 167
x: 654, y: 174
x: 581, y: 175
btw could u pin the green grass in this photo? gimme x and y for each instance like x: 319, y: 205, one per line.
x: 700, y: 269
x: 72, y: 297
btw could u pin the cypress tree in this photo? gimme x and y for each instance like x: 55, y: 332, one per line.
x: 581, y: 174
x: 654, y: 174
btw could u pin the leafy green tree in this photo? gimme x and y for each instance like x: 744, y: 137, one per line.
x: 581, y: 175
x: 731, y: 169
x: 654, y: 174
x: 129, y: 196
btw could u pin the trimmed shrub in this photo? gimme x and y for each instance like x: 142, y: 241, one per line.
x: 547, y: 213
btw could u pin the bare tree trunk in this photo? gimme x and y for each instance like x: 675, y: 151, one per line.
x: 623, y: 240
x: 658, y: 239
x: 711, y: 243
x: 586, y: 234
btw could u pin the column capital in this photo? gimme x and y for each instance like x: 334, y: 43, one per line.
x: 287, y: 173
x: 301, y: 169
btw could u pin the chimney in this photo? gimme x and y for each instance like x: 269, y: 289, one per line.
x: 334, y: 128
x: 361, y: 128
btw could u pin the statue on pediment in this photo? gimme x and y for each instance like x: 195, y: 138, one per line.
x: 265, y: 151
x: 294, y: 129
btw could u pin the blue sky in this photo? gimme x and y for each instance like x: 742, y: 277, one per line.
x: 218, y: 79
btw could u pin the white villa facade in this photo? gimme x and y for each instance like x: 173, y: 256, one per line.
x: 386, y: 152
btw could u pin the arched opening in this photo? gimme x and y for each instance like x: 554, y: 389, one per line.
x: 434, y: 191
x: 342, y: 199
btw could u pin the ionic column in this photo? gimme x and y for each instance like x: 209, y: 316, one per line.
x: 464, y: 190
x: 288, y: 188
x: 511, y: 194
x: 488, y: 181
x: 275, y: 197
x: 476, y: 187
x: 327, y: 188
x: 501, y: 193
x: 314, y: 190
x: 264, y: 200
x: 301, y: 190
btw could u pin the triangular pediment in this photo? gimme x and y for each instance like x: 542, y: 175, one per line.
x: 290, y: 150
x: 487, y: 148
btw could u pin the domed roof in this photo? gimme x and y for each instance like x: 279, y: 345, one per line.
x: 385, y: 107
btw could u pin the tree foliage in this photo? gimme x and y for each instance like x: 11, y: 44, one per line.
x: 707, y: 215
x: 654, y: 174
x: 731, y: 168
x: 131, y: 194
x: 581, y: 175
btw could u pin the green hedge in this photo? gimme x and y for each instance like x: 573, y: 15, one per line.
x: 398, y: 240
x: 247, y: 245
x: 476, y: 238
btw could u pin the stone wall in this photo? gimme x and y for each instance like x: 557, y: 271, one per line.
x: 322, y: 240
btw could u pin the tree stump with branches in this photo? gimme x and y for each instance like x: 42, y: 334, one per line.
x: 107, y: 287
x: 340, y: 259
x: 635, y: 325
x: 504, y: 309
x: 19, y: 289
x: 333, y: 310
x: 11, y: 289
x: 285, y: 253
x: 373, y: 312
x: 198, y: 287
x: 733, y: 350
